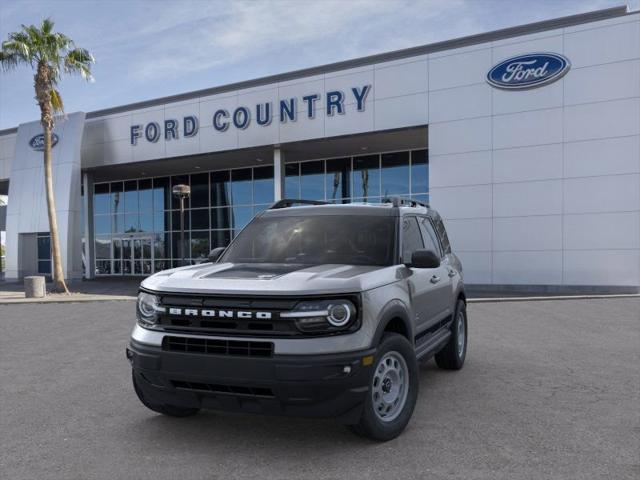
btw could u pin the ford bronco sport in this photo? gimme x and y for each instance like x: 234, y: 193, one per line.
x: 313, y: 310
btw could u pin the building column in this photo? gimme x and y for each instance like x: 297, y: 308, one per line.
x: 278, y: 174
x: 87, y: 222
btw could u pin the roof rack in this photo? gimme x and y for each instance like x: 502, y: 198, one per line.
x: 404, y: 202
x: 290, y: 202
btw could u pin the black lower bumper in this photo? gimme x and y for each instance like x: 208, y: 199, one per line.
x: 295, y: 385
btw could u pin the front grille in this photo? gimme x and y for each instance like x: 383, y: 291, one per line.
x: 271, y: 327
x: 210, y: 346
x: 216, y: 388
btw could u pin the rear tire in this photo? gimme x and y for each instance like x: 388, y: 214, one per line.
x: 393, y: 390
x: 164, y: 409
x: 452, y: 356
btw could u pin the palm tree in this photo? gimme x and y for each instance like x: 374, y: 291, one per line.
x: 50, y: 55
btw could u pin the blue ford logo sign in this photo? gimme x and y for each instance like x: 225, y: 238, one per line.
x: 528, y: 71
x: 37, y: 142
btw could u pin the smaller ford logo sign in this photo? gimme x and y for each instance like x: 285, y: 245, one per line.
x: 37, y: 142
x: 528, y: 71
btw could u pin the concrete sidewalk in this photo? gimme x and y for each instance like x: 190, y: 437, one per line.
x: 104, y: 289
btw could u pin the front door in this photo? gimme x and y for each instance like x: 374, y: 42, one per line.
x: 133, y: 256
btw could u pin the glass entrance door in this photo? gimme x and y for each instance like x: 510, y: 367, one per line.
x: 132, y: 256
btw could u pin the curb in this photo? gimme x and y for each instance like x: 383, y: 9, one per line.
x: 550, y: 298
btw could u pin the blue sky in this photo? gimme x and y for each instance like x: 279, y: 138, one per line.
x: 149, y: 49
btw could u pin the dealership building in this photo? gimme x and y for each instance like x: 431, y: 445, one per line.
x: 526, y: 140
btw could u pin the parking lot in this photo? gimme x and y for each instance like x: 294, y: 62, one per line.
x: 551, y: 389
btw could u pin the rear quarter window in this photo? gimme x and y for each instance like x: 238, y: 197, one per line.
x: 442, y: 233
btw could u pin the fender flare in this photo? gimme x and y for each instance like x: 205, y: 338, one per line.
x: 393, y: 309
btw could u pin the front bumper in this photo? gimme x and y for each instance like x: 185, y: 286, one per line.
x: 293, y: 385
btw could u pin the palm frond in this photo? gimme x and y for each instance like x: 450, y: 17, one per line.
x: 79, y: 61
x: 56, y: 101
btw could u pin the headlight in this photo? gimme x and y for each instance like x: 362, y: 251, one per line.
x: 147, y: 309
x: 323, y: 316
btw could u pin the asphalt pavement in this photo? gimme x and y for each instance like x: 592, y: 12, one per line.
x: 550, y: 390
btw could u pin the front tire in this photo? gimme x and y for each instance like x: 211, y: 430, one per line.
x: 452, y: 356
x: 393, y: 390
x: 164, y: 409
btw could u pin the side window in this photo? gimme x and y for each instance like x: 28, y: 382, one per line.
x: 429, y: 236
x: 442, y: 233
x: 411, y: 238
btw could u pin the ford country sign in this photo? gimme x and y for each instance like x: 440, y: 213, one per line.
x: 37, y: 142
x: 528, y: 71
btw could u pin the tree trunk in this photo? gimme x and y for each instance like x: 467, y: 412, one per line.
x: 59, y: 284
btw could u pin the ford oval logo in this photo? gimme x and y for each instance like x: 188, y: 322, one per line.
x: 528, y: 71
x: 37, y: 142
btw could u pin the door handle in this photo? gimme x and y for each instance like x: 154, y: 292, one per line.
x: 435, y: 279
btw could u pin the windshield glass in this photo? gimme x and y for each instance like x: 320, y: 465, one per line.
x: 315, y: 240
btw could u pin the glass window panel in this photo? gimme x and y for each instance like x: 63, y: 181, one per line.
x: 175, y: 220
x: 161, y: 194
x: 220, y: 238
x: 102, y: 224
x: 44, y: 266
x: 429, y: 236
x: 162, y: 265
x: 423, y: 197
x: 117, y: 267
x: 242, y: 216
x: 220, y: 218
x: 337, y: 179
x: 200, y: 190
x: 175, y: 245
x: 200, y: 219
x: 292, y: 180
x: 117, y: 198
x: 411, y: 238
x: 241, y: 186
x: 117, y: 249
x: 101, y: 198
x: 44, y: 247
x: 161, y: 243
x: 419, y: 171
x: 220, y: 189
x: 200, y: 245
x: 131, y: 222
x: 117, y: 223
x: 131, y: 203
x: 103, y: 267
x: 137, y: 248
x: 366, y: 177
x: 312, y: 180
x: 179, y: 180
x: 146, y: 222
x: 161, y: 221
x: 103, y: 247
x: 263, y: 184
x: 145, y: 195
x: 395, y: 173
x: 127, y: 267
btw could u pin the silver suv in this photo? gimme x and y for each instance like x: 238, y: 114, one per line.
x: 313, y: 310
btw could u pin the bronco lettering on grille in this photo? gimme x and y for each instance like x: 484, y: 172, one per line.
x: 209, y: 313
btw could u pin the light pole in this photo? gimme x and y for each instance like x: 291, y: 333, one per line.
x: 182, y: 192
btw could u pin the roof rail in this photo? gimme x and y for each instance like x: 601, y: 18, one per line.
x: 404, y: 202
x: 290, y: 202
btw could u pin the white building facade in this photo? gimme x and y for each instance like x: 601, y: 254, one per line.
x: 526, y: 140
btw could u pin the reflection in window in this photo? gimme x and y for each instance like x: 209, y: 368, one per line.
x: 200, y: 219
x: 419, y: 171
x: 200, y: 190
x: 312, y: 180
x: 200, y: 245
x: 242, y: 216
x: 145, y: 195
x: 161, y: 194
x: 366, y: 177
x: 101, y: 199
x: 117, y: 198
x: 263, y: 185
x: 337, y: 179
x: 131, y: 196
x: 220, y: 218
x: 220, y: 189
x: 395, y: 174
x: 241, y: 186
x: 292, y: 180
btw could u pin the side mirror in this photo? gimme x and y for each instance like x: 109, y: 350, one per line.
x: 214, y: 254
x: 424, y: 259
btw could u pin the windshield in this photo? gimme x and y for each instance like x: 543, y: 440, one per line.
x: 316, y: 240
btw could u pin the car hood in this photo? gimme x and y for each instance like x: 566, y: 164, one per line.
x: 271, y: 279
